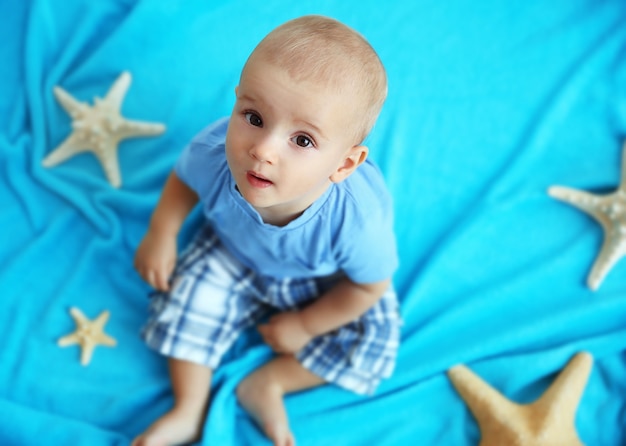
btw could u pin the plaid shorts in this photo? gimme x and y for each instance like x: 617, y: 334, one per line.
x: 213, y: 298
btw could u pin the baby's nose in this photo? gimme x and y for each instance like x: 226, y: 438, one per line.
x: 264, y: 151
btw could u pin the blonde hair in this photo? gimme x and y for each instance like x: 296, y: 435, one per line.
x: 321, y: 49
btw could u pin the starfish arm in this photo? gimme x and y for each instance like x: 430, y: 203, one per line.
x: 110, y: 162
x: 486, y: 404
x: 132, y: 129
x: 105, y: 339
x: 593, y: 205
x: 68, y: 148
x: 98, y: 325
x: 72, y: 106
x: 570, y: 195
x: 86, y: 353
x: 575, y: 197
x: 585, y: 201
x: 102, y: 319
x: 115, y: 95
x: 78, y: 316
x: 561, y: 400
x: 611, y: 252
x: 70, y: 339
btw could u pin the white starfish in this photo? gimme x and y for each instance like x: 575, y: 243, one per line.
x: 549, y: 421
x: 88, y: 334
x: 100, y: 128
x: 610, y: 211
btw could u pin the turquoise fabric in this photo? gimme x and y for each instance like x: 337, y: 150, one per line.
x: 490, y: 103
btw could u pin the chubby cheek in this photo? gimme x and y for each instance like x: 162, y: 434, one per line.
x: 235, y: 146
x: 234, y: 163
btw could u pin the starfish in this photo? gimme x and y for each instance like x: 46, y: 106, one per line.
x: 100, y: 128
x: 88, y: 334
x: 610, y: 211
x: 549, y: 421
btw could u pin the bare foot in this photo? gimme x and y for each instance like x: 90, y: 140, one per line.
x: 265, y: 404
x: 280, y: 434
x: 174, y: 428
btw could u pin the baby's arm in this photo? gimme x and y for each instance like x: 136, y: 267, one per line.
x: 345, y: 302
x: 156, y: 254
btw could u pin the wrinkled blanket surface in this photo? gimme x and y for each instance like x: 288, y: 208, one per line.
x: 490, y: 103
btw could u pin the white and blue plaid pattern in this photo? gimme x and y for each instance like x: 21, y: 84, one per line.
x: 214, y: 297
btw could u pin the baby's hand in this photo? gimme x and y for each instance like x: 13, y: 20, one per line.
x: 155, y: 259
x: 285, y: 333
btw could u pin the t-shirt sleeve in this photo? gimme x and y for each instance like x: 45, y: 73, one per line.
x: 202, y: 159
x: 367, y: 252
x: 370, y: 255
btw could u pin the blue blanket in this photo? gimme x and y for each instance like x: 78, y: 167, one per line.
x: 490, y: 103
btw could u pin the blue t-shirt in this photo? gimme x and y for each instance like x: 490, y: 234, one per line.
x: 348, y: 229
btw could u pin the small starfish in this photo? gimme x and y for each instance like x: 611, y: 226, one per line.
x: 610, y: 211
x: 88, y: 334
x: 100, y: 128
x: 549, y: 421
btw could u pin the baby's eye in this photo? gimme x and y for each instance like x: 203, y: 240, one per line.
x: 254, y: 119
x: 303, y: 141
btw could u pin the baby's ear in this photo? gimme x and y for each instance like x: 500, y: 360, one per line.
x: 355, y: 157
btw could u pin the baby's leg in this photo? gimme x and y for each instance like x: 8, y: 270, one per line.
x: 261, y: 394
x: 183, y: 423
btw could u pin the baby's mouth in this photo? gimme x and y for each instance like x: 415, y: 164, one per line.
x: 257, y: 180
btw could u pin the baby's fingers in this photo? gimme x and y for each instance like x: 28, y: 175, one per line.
x: 269, y: 337
x: 158, y: 278
x: 162, y: 281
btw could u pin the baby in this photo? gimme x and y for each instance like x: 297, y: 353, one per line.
x: 298, y: 222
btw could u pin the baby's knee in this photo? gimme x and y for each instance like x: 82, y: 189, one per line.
x: 243, y: 389
x: 256, y: 385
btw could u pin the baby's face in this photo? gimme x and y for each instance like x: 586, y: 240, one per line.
x: 286, y: 140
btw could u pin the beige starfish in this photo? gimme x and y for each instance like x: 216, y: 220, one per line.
x: 88, y: 334
x: 100, y: 128
x: 549, y: 421
x: 610, y: 211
